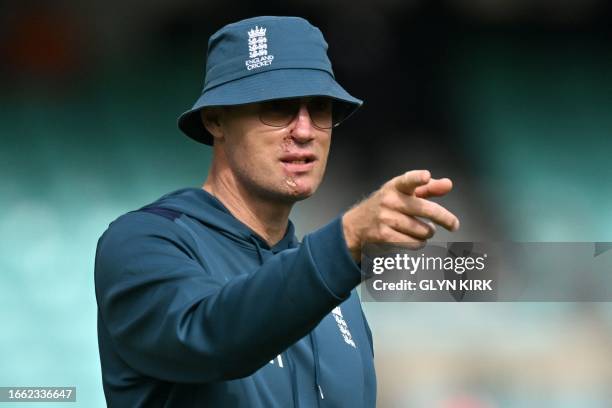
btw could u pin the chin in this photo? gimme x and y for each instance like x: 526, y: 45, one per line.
x: 299, y: 196
x: 292, y: 192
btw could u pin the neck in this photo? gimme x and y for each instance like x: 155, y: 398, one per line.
x: 268, y: 219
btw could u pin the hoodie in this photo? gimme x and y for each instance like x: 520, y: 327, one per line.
x: 197, y: 310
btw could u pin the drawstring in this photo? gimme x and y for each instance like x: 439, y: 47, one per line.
x: 294, y: 387
x: 259, y: 252
x: 315, y: 353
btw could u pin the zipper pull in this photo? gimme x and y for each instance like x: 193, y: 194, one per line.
x: 321, y: 391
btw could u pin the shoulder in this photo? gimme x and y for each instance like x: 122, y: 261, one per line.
x: 145, y: 231
x: 142, y: 222
x: 138, y: 245
x: 152, y: 217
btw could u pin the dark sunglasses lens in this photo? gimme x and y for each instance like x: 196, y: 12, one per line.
x: 320, y: 110
x: 325, y: 113
x: 278, y: 112
x: 340, y: 112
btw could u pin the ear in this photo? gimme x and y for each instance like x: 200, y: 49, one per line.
x: 211, y: 119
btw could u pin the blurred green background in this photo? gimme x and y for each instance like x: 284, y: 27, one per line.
x: 510, y: 101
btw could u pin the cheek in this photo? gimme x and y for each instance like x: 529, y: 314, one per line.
x: 253, y: 159
x: 256, y: 162
x: 325, y: 144
x: 247, y: 149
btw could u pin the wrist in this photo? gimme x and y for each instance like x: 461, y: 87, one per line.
x: 350, y: 236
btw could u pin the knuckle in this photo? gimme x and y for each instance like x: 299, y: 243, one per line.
x: 387, y: 199
x: 389, y: 218
x: 397, y: 224
x: 382, y: 217
x: 386, y: 234
x: 378, y: 233
x: 427, y: 211
x: 437, y: 214
x: 389, y: 185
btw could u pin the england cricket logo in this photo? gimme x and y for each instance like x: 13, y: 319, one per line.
x: 346, y: 334
x: 258, y: 49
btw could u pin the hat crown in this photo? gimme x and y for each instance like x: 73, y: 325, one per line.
x: 260, y: 44
x: 261, y: 59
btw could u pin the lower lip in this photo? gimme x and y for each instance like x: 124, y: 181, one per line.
x: 298, y: 167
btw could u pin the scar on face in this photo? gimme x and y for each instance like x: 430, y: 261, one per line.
x: 290, y: 181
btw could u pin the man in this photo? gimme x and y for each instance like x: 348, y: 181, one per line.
x: 205, y: 297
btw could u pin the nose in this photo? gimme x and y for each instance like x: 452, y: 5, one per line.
x: 301, y: 129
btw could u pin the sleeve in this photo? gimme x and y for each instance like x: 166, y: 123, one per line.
x: 368, y: 332
x: 173, y: 320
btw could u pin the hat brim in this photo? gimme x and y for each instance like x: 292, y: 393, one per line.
x: 265, y: 86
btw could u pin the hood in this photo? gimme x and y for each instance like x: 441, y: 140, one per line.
x: 207, y: 209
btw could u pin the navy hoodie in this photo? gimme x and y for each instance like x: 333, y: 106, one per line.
x: 197, y: 310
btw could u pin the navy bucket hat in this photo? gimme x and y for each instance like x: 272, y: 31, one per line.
x: 260, y: 59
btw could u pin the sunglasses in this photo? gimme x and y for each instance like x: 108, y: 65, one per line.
x: 325, y: 113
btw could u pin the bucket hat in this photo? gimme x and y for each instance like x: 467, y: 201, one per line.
x: 261, y: 59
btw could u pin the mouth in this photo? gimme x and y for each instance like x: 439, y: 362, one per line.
x: 298, y: 163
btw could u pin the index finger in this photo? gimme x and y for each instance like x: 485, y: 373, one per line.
x: 409, y: 181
